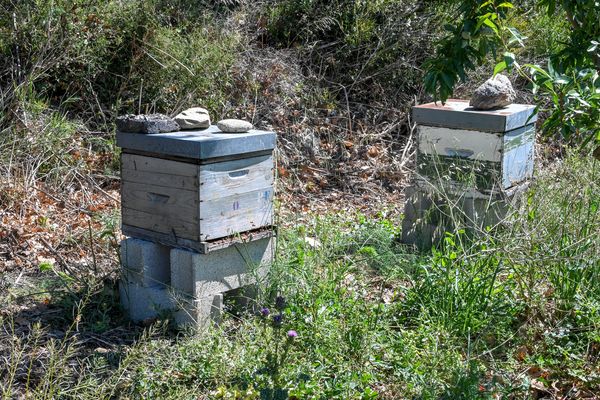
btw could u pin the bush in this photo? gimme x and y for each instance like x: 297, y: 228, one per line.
x: 363, y: 48
x: 99, y: 59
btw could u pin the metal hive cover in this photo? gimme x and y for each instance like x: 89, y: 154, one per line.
x: 458, y: 114
x: 198, y: 144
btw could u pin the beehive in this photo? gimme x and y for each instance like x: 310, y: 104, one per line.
x: 192, y: 189
x: 487, y: 151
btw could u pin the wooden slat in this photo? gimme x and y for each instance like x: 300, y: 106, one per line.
x: 194, y: 245
x: 163, y: 238
x: 177, y: 228
x: 150, y: 164
x: 245, y: 237
x: 160, y: 200
x: 160, y: 179
x: 236, y: 213
x: 460, y: 143
x: 239, y: 176
x: 517, y: 164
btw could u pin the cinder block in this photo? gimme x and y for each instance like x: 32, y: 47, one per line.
x: 430, y: 213
x: 142, y: 303
x: 421, y: 234
x: 199, y: 313
x: 145, y: 262
x: 244, y: 298
x: 202, y: 275
x: 481, y: 213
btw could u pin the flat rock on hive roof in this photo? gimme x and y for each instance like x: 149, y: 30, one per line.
x: 198, y: 144
x: 459, y: 115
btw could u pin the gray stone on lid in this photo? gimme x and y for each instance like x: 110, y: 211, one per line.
x: 152, y: 123
x: 234, y: 125
x: 496, y: 92
x: 193, y: 118
x: 458, y: 114
x: 199, y: 144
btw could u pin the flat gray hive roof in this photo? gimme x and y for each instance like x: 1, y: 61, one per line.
x: 458, y: 114
x: 198, y: 144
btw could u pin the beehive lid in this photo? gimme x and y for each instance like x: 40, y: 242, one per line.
x: 198, y: 144
x: 459, y: 115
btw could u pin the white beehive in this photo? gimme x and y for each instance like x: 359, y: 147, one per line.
x: 488, y: 151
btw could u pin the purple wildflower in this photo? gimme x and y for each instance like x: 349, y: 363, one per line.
x: 292, y: 334
x: 277, y: 319
x: 265, y: 312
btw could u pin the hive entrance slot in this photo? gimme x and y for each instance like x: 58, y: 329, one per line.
x: 158, y: 198
x: 239, y: 174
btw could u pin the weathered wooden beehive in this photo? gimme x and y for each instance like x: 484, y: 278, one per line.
x: 470, y: 165
x: 487, y: 151
x: 192, y: 189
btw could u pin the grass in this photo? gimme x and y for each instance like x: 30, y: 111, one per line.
x: 512, y: 314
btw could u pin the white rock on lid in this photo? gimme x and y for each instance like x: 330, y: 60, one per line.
x: 234, y: 126
x: 193, y: 118
x: 496, y: 92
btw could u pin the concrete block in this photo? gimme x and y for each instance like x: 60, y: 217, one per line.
x: 245, y: 298
x: 199, y: 313
x: 141, y: 303
x: 481, y: 213
x: 145, y: 262
x: 202, y: 275
x: 421, y: 234
x: 429, y: 214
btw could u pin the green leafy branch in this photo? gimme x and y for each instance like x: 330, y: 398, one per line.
x: 569, y: 83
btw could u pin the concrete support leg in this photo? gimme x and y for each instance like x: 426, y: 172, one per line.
x: 199, y: 313
x: 143, y: 288
x: 428, y: 214
x: 146, y: 263
x: 199, y: 278
x: 145, y: 303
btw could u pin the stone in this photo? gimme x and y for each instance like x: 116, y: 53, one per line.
x: 199, y: 313
x: 145, y: 303
x: 146, y: 263
x: 429, y: 212
x: 496, y: 92
x: 193, y: 118
x: 234, y: 126
x: 152, y: 123
x: 200, y: 275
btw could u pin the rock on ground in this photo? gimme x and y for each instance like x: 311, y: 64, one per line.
x: 496, y: 92
x: 193, y: 118
x: 152, y: 123
x: 234, y: 126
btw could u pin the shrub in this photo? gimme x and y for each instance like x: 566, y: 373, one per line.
x: 363, y: 48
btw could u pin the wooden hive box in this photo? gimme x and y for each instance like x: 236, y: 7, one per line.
x: 486, y: 151
x: 196, y: 189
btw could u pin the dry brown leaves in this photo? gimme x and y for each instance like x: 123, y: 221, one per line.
x: 45, y: 226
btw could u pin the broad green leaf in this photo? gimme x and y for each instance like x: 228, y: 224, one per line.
x: 536, y: 69
x: 501, y: 66
x: 506, y: 5
x: 509, y: 59
x: 448, y: 80
x: 485, y: 4
x: 516, y: 36
x: 489, y: 23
